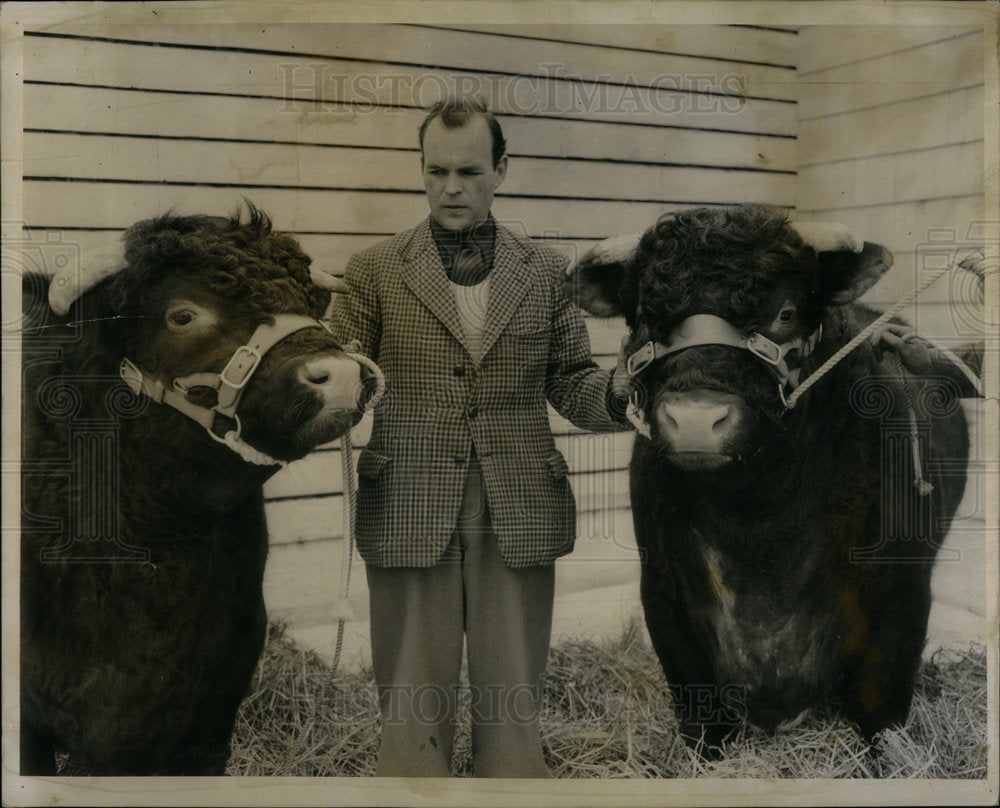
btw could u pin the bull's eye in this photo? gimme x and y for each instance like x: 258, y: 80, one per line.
x: 787, y: 317
x: 179, y: 318
x: 182, y: 315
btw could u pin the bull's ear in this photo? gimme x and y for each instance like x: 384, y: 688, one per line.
x: 845, y: 275
x: 594, y: 282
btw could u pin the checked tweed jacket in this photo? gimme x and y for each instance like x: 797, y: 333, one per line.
x: 439, y: 404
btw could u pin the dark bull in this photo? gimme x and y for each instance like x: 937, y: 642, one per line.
x: 786, y: 554
x: 154, y: 410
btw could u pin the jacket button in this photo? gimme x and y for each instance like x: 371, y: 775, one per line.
x: 473, y: 412
x: 459, y: 371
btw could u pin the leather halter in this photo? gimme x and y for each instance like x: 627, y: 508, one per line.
x: 708, y: 329
x: 229, y: 383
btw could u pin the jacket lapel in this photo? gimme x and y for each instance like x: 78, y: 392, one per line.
x: 425, y: 275
x: 508, y: 286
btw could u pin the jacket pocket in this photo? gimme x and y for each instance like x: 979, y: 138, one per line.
x: 371, y: 465
x: 558, y: 468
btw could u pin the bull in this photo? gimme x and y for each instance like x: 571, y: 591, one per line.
x: 786, y: 553
x: 153, y: 412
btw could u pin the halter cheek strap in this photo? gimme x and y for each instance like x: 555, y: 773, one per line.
x: 229, y: 384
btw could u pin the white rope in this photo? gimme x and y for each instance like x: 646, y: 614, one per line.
x: 248, y: 453
x: 923, y: 487
x: 862, y: 335
x: 342, y: 611
x: 376, y: 372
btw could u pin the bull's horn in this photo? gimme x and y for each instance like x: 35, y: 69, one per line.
x: 828, y: 236
x: 324, y: 280
x: 70, y: 282
x: 615, y: 250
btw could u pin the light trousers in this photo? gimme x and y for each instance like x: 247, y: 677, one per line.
x: 419, y: 617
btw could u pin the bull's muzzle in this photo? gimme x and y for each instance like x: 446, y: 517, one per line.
x: 699, y: 425
x: 337, y: 380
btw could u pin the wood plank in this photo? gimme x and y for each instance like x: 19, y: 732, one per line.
x: 369, y: 85
x: 401, y: 46
x: 952, y: 64
x: 274, y: 165
x: 949, y: 118
x: 824, y: 49
x: 167, y: 114
x: 946, y: 171
x: 99, y: 205
x: 305, y: 520
x: 721, y: 42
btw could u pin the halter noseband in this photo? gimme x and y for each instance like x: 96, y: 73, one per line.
x: 229, y: 384
x: 708, y: 329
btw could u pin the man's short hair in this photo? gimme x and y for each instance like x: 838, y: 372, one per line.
x: 456, y: 112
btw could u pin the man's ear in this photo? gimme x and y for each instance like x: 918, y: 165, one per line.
x: 845, y: 275
x: 595, y: 282
x: 500, y: 172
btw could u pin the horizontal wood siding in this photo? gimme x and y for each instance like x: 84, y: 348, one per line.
x: 891, y: 138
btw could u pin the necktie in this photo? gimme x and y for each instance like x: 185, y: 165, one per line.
x: 468, y: 268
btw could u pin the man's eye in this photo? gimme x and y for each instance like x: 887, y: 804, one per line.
x: 786, y: 315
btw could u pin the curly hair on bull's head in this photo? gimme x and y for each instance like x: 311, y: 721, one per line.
x: 239, y: 260
x: 723, y: 261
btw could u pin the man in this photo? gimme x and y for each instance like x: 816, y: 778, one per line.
x: 464, y: 502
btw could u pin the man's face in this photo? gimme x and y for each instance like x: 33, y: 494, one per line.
x: 459, y: 176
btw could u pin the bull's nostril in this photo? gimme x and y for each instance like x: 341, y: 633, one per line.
x: 722, y: 420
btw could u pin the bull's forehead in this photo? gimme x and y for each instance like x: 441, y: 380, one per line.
x: 255, y: 292
x: 745, y: 298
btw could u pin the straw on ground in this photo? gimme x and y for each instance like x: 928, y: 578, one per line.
x: 607, y: 714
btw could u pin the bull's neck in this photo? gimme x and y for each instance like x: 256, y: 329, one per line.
x: 181, y: 476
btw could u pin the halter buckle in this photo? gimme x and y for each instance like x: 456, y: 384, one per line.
x: 131, y: 375
x: 641, y: 359
x: 764, y: 349
x: 240, y: 367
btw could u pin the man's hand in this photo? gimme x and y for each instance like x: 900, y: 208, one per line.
x: 621, y: 383
x: 916, y: 354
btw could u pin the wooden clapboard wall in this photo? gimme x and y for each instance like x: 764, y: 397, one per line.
x: 891, y: 144
x: 891, y: 139
x: 607, y: 128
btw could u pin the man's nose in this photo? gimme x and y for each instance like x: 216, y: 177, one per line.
x: 452, y: 185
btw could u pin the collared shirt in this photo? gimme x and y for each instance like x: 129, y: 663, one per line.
x: 450, y: 242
